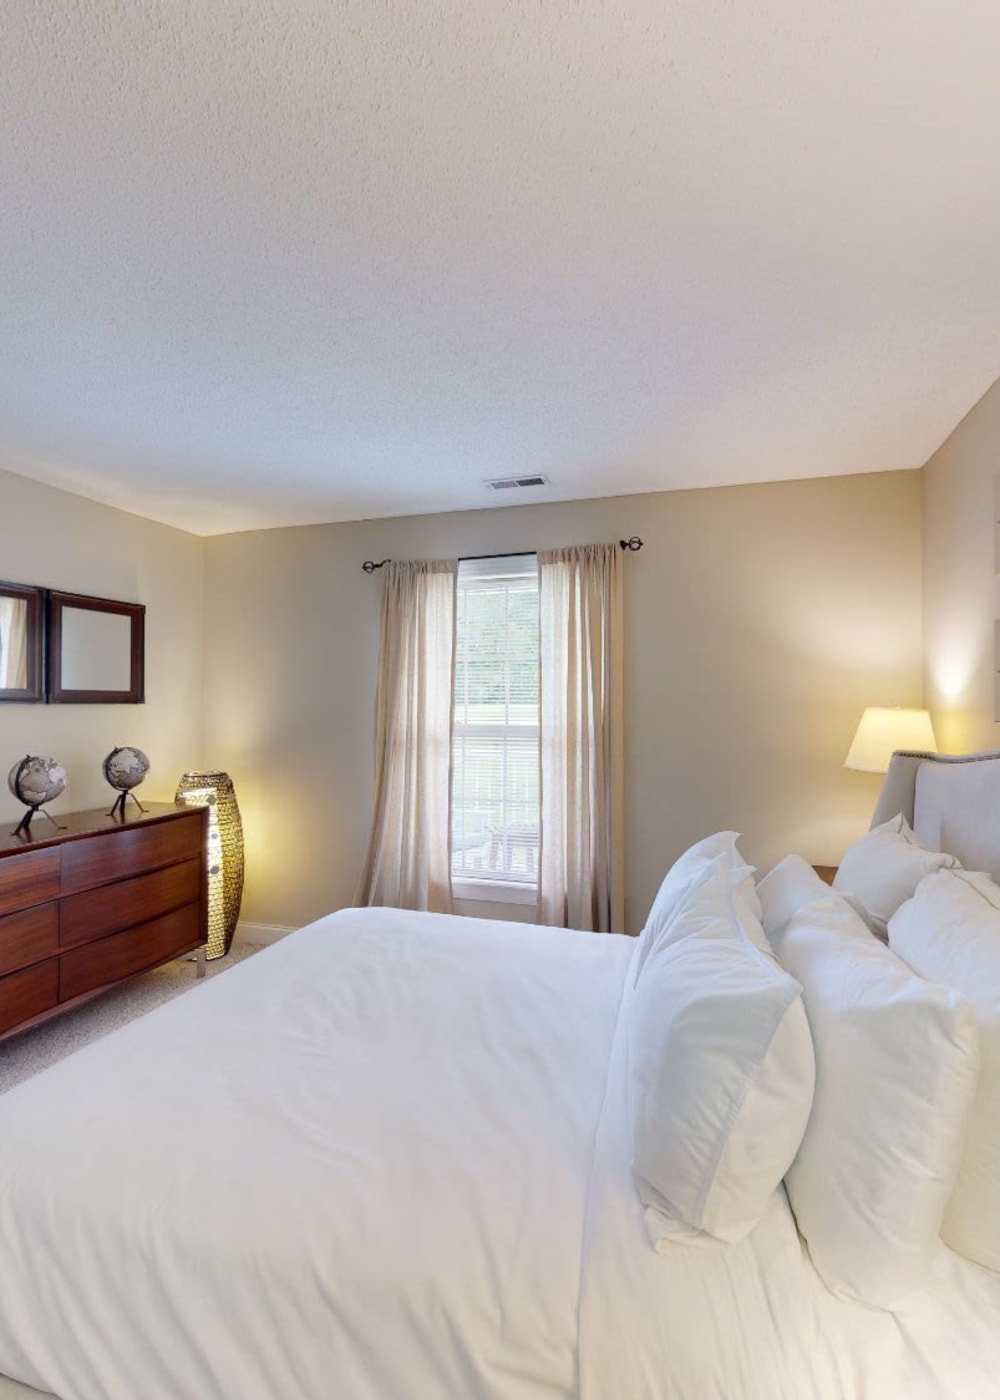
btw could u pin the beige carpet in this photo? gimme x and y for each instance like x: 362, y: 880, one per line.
x: 24, y: 1055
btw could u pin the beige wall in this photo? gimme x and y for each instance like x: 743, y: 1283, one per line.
x: 759, y: 622
x: 51, y: 538
x: 961, y: 597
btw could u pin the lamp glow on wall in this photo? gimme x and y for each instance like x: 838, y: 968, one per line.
x: 883, y: 731
x: 225, y: 853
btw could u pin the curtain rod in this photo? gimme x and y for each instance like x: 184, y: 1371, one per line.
x: 370, y: 566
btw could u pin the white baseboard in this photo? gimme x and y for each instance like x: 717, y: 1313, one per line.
x: 261, y: 933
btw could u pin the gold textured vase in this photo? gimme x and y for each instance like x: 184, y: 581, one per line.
x: 225, y: 853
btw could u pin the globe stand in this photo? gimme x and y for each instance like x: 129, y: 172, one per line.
x: 118, y: 810
x: 24, y: 825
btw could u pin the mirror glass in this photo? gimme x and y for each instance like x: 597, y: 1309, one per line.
x: 20, y: 642
x: 13, y: 643
x: 96, y: 650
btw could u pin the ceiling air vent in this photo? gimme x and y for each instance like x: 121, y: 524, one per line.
x: 515, y: 483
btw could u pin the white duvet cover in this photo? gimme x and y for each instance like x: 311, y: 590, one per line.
x: 387, y: 1159
x: 353, y: 1168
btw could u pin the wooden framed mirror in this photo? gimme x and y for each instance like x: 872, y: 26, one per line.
x: 22, y: 614
x: 96, y: 651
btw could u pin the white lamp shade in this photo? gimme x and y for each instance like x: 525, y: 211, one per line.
x: 882, y: 732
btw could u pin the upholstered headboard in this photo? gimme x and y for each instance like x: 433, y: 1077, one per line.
x: 951, y: 801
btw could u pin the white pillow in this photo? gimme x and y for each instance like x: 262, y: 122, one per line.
x: 884, y: 867
x: 721, y: 1075
x: 950, y: 932
x: 789, y: 887
x: 684, y: 878
x: 896, y: 1067
x: 785, y: 889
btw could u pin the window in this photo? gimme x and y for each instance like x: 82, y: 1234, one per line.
x: 495, y: 760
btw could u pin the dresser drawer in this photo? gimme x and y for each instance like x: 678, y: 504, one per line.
x: 28, y: 937
x: 119, y: 854
x: 28, y: 879
x: 28, y: 993
x: 110, y: 908
x: 124, y: 954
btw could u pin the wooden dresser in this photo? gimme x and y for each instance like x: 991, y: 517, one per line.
x: 98, y: 902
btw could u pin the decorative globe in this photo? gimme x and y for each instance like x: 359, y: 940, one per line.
x: 125, y: 768
x: 35, y: 781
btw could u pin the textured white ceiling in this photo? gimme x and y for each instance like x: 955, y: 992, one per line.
x: 276, y: 261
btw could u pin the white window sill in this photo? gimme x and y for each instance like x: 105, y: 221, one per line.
x: 493, y: 891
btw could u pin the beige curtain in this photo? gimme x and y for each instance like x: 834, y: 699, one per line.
x: 408, y: 863
x: 581, y: 876
x: 13, y: 644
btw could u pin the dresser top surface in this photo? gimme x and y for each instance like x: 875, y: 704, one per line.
x: 74, y: 825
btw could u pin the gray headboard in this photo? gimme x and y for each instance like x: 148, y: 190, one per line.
x: 951, y: 801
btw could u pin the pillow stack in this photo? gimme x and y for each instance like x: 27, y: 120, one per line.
x: 896, y: 1067
x: 896, y: 1071
x: 721, y: 1063
x: 848, y: 1067
x: 950, y: 932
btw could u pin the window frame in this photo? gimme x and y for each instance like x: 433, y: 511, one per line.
x: 494, y: 887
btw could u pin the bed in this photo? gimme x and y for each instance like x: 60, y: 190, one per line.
x: 389, y: 1157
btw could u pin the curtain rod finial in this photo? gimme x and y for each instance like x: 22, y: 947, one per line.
x: 634, y: 543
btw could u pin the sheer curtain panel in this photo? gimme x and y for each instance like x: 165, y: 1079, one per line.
x: 581, y: 882
x: 408, y: 862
